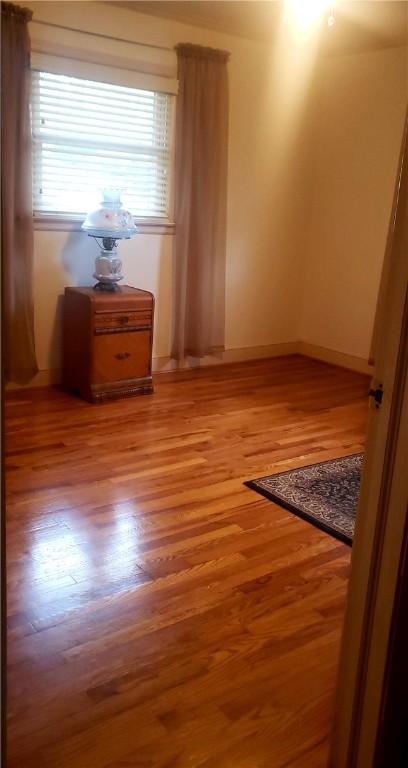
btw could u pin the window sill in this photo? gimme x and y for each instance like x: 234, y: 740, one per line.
x: 56, y: 223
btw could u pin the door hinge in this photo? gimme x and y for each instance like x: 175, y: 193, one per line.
x: 377, y: 395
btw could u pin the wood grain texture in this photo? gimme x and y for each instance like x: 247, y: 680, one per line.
x: 107, y: 342
x: 161, y: 614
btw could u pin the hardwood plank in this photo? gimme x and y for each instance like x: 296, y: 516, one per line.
x: 161, y: 614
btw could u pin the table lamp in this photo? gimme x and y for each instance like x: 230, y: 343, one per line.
x: 110, y: 222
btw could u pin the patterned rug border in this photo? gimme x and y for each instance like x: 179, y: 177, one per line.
x: 252, y: 484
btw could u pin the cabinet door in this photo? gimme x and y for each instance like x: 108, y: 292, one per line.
x: 120, y: 356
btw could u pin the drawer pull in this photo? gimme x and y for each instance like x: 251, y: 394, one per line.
x: 124, y: 320
x: 122, y: 355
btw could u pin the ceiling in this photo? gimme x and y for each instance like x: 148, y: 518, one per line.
x: 359, y: 25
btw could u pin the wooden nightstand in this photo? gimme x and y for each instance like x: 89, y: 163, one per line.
x: 107, y: 342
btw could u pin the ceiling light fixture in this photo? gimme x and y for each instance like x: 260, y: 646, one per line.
x: 305, y: 13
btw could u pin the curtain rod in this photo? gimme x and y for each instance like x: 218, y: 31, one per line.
x: 99, y: 34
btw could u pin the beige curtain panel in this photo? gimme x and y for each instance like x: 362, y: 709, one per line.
x: 16, y: 196
x: 200, y: 201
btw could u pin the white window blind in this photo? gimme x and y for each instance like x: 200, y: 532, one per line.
x: 88, y: 135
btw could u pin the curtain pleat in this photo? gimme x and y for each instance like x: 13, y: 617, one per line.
x: 200, y: 201
x: 16, y: 197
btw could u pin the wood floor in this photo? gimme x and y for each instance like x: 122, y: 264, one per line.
x: 161, y: 614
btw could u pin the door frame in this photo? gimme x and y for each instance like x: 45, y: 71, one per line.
x: 382, y: 512
x: 392, y: 736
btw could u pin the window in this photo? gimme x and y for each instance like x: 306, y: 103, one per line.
x: 88, y: 135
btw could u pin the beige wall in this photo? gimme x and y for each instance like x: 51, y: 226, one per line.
x: 359, y: 106
x: 260, y: 279
x: 309, y: 187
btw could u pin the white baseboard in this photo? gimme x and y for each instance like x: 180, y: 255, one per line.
x: 46, y: 378
x: 239, y: 355
x: 358, y: 364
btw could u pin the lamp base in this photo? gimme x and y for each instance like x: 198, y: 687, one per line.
x: 108, y: 266
x: 107, y: 287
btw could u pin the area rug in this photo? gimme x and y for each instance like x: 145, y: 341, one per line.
x: 324, y: 494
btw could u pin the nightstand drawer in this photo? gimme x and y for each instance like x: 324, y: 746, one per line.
x: 116, y: 322
x: 121, y: 356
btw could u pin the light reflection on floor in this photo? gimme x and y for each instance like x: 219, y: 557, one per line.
x: 63, y: 556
